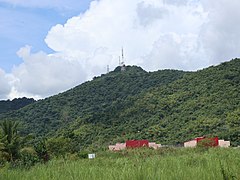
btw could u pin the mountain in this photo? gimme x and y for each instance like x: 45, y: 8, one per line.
x: 167, y: 106
x: 89, y: 99
x: 15, y: 104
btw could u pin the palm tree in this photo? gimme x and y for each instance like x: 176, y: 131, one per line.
x: 9, y: 129
x: 10, y: 141
x: 3, y: 154
x: 2, y: 145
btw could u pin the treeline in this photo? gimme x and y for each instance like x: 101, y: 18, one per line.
x: 25, y: 151
x: 15, y: 104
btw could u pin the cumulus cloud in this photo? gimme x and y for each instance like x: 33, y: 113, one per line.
x: 159, y: 32
x: 42, y: 75
x: 5, y: 87
x: 148, y: 13
x: 220, y: 36
x: 156, y: 34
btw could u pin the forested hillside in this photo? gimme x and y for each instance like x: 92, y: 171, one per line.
x: 89, y: 100
x: 206, y: 102
x: 166, y: 106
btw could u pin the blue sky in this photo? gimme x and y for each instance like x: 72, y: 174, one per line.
x: 22, y: 24
x: 48, y: 47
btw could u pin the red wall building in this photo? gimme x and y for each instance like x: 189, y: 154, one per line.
x: 208, y: 142
x: 137, y: 143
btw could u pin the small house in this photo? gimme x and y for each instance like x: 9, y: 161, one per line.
x: 133, y: 144
x: 207, y: 142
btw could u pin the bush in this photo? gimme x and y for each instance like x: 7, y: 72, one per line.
x: 83, y: 154
x: 41, y: 150
x: 58, y: 146
x: 3, y: 158
x: 28, y: 157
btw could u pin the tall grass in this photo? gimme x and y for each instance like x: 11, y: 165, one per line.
x: 215, y: 163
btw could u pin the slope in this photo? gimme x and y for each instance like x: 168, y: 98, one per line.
x: 206, y: 102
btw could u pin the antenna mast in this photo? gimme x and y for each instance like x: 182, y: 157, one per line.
x: 123, y: 68
x: 122, y: 56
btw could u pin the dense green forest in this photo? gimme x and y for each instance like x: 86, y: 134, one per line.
x: 166, y: 106
x: 15, y: 104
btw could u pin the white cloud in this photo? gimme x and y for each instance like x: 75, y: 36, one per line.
x: 155, y: 34
x: 43, y: 75
x: 174, y: 51
x: 220, y: 36
x: 141, y: 26
x: 5, y: 87
x: 148, y: 13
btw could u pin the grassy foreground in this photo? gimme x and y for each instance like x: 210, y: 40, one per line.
x: 215, y: 163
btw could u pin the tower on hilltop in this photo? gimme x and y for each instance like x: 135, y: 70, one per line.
x: 121, y: 62
x: 108, y: 70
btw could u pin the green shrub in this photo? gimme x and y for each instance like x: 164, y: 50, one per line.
x: 3, y: 158
x: 83, y: 155
x: 58, y: 146
x: 28, y: 158
x: 41, y: 150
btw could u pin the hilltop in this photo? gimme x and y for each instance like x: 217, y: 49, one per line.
x: 166, y: 106
x: 15, y: 104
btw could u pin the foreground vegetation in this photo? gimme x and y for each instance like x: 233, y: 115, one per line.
x: 165, y: 163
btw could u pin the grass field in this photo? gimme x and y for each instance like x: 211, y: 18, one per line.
x: 172, y: 164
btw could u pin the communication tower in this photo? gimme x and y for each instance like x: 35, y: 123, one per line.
x: 122, y: 64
